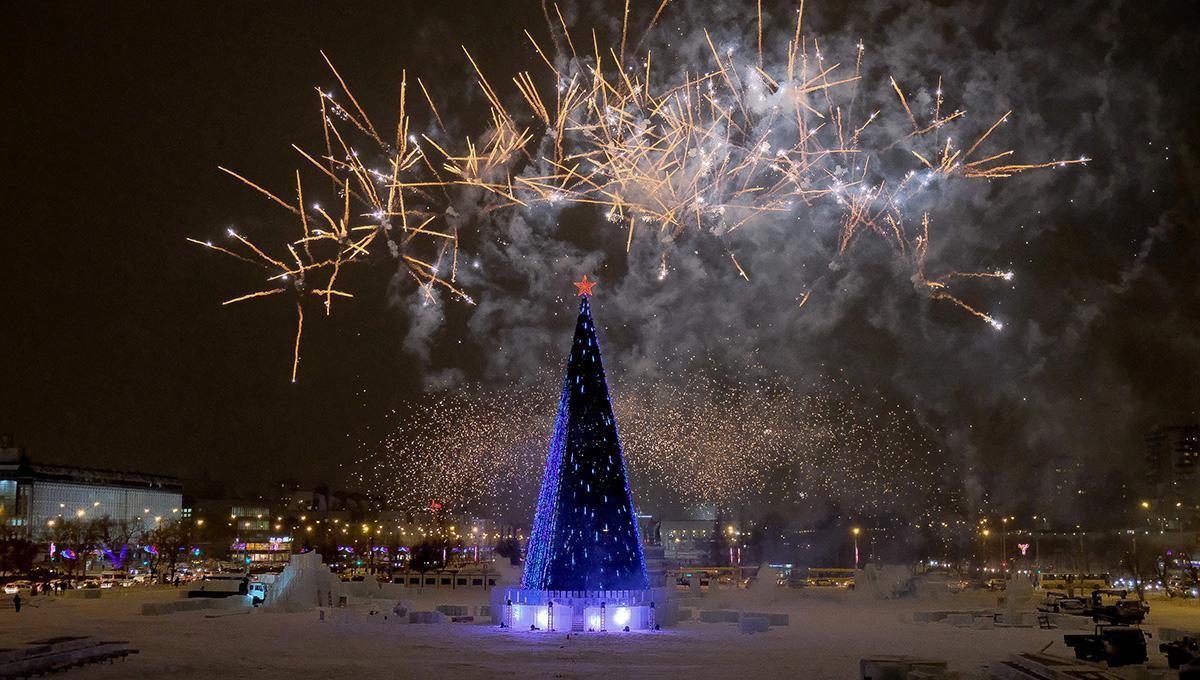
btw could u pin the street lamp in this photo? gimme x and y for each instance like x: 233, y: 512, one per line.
x: 1134, y: 557
x: 986, y: 533
x: 1004, y: 546
x: 855, y: 531
x: 1037, y: 540
x: 1179, y: 527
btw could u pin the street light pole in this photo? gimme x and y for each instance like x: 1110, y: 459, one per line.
x: 855, y: 531
x: 1179, y: 528
x: 986, y: 533
x: 1136, y: 558
x: 1004, y: 547
x: 1037, y: 550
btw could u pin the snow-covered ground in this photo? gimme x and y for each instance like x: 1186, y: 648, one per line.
x: 829, y: 632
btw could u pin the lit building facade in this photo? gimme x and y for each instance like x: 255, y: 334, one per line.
x: 1173, y: 478
x: 245, y: 531
x: 32, y: 494
x: 1173, y: 462
x: 687, y: 541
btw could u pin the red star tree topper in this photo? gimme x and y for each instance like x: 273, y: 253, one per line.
x: 585, y: 286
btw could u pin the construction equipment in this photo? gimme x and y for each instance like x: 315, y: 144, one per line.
x: 1180, y: 651
x: 1122, y: 611
x: 1116, y: 645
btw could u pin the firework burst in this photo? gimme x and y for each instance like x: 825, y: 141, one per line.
x: 715, y: 147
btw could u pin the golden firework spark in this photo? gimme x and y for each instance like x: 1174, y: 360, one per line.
x: 937, y: 289
x: 378, y: 204
x: 734, y: 144
x: 717, y: 147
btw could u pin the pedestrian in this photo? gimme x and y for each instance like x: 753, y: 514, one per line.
x: 17, y: 602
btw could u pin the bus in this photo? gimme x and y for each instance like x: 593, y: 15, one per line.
x: 813, y: 577
x: 1072, y: 582
x: 829, y: 577
x: 704, y: 578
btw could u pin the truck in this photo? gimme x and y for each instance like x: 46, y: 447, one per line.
x: 220, y: 584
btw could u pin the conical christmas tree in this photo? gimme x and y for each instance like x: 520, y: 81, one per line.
x: 585, y: 534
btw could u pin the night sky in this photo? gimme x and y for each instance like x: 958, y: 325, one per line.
x: 117, y: 353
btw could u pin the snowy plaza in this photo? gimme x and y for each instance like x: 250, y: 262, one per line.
x: 829, y: 632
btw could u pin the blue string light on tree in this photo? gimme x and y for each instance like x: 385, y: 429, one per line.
x: 585, y: 551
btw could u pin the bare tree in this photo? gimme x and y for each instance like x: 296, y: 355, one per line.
x: 73, y: 539
x: 117, y: 537
x: 1134, y: 561
x: 17, y: 553
x: 169, y: 539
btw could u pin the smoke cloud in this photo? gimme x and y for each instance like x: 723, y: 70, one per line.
x: 1100, y: 320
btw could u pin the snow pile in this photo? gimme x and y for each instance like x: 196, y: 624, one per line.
x: 1018, y: 594
x: 762, y: 590
x: 304, y: 584
x: 367, y: 589
x: 884, y: 581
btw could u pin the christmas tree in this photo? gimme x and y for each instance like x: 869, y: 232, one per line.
x: 585, y: 533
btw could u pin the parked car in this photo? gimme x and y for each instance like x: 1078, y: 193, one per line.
x: 14, y: 587
x: 957, y: 585
x: 111, y: 578
x: 1183, y: 589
